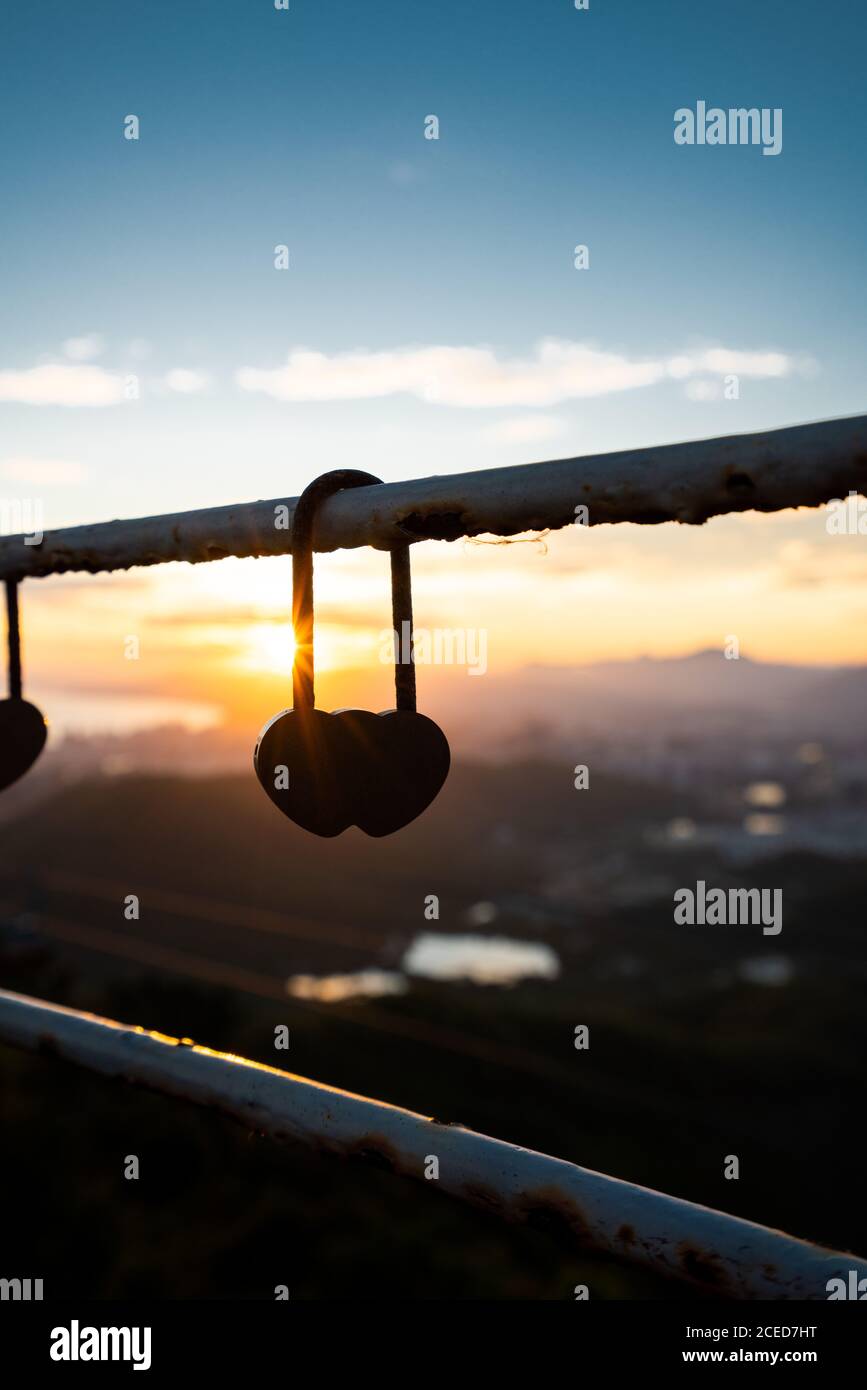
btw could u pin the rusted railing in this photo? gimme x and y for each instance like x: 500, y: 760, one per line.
x: 799, y: 467
x: 803, y: 466
x: 723, y: 1254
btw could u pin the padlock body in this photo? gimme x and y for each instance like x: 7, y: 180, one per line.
x: 23, y: 732
x: 327, y: 772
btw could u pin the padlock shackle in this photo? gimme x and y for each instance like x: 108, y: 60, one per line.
x: 13, y: 638
x: 308, y: 503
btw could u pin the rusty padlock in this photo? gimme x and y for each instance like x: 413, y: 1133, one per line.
x: 325, y: 771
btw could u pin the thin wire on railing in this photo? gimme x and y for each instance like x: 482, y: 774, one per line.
x: 724, y: 1254
x: 799, y: 467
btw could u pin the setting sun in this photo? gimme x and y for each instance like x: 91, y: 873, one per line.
x: 268, y: 647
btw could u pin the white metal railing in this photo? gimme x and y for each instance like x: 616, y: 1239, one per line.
x: 802, y: 466
x: 723, y: 1254
x: 799, y: 467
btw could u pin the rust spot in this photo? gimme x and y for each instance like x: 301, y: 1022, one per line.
x: 434, y: 526
x: 701, y: 1266
x: 650, y: 516
x: 740, y: 483
x: 546, y: 1209
x: 46, y: 1046
x: 377, y: 1152
x: 626, y: 1233
x: 482, y: 1196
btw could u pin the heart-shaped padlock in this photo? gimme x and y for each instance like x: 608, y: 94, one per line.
x: 326, y: 771
x: 22, y: 727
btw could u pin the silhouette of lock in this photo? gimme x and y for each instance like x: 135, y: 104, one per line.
x: 23, y: 730
x: 328, y: 771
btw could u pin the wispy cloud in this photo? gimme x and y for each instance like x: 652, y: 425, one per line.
x: 186, y: 382
x: 251, y: 615
x: 801, y: 564
x: 704, y: 389
x: 82, y: 349
x: 42, y: 472
x: 477, y: 377
x: 62, y: 384
x: 524, y: 429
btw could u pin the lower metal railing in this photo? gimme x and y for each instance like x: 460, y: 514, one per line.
x: 723, y: 1254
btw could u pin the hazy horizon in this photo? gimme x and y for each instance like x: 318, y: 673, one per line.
x: 431, y: 317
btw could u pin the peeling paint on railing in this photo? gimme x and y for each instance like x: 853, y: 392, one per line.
x: 723, y: 1254
x: 799, y: 467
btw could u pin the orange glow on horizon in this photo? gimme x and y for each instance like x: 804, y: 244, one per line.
x: 220, y: 634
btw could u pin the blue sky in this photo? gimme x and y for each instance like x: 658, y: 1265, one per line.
x: 431, y: 319
x: 306, y: 127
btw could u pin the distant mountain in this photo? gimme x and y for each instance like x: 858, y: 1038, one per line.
x: 702, y: 690
x: 537, y: 711
x: 705, y: 678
